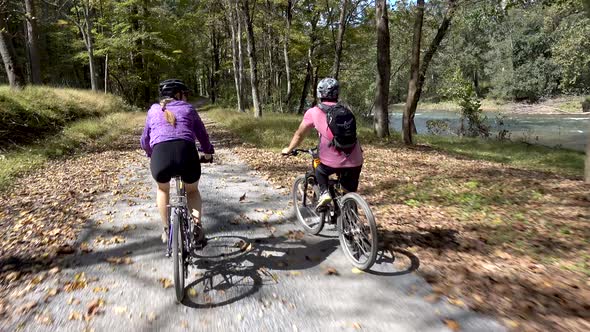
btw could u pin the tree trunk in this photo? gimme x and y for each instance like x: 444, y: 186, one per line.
x: 252, y: 57
x: 381, y: 110
x: 412, y: 101
x: 288, y: 19
x: 33, y: 42
x: 215, y: 64
x: 240, y: 58
x: 106, y: 73
x: 339, y: 38
x: 86, y: 31
x: 305, y: 91
x: 13, y: 69
x: 309, y: 70
x: 232, y: 22
x: 417, y: 71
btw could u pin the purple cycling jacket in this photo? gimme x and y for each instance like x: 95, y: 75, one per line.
x: 188, y: 127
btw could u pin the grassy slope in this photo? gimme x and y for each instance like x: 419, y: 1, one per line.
x: 274, y: 132
x: 41, y: 123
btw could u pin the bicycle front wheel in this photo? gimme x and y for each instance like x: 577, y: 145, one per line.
x: 178, y: 255
x: 305, y: 199
x: 358, y: 231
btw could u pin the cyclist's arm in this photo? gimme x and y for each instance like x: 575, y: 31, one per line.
x: 145, y: 138
x: 202, y: 135
x: 302, y: 131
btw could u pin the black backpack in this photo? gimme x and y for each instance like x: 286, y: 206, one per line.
x: 342, y: 124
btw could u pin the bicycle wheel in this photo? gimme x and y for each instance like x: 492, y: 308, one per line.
x: 178, y: 255
x: 305, y: 199
x: 358, y: 231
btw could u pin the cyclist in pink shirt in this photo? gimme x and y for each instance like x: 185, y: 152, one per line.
x: 333, y: 161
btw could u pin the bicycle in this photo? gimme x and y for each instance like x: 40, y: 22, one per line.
x: 181, y: 243
x: 357, y: 235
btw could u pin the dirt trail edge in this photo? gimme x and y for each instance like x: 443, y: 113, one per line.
x: 259, y: 272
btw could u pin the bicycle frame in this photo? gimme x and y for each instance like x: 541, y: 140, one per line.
x: 178, y: 204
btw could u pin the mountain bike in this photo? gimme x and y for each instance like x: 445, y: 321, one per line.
x: 355, y: 223
x: 181, y: 243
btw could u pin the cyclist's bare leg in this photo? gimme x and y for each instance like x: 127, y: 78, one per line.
x: 194, y: 201
x: 162, y: 199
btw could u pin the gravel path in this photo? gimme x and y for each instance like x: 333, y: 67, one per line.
x: 283, y: 281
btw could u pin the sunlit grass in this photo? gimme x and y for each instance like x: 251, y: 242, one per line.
x: 94, y: 134
x: 274, y: 131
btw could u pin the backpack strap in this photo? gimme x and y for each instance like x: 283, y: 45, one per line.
x: 326, y: 108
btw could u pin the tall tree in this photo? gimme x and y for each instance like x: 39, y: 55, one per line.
x: 313, y: 43
x: 234, y: 46
x: 288, y: 20
x: 418, y: 71
x: 33, y: 41
x: 339, y: 38
x: 249, y: 20
x: 587, y: 172
x: 11, y: 65
x: 381, y: 110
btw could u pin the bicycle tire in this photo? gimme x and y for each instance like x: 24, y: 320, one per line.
x: 344, y: 234
x: 178, y: 254
x: 317, y: 223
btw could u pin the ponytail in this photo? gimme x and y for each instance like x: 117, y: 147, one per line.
x: 169, y: 115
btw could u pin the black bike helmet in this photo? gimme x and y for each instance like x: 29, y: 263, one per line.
x: 169, y: 88
x: 328, y: 88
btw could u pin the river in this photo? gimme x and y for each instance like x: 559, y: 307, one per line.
x: 555, y: 130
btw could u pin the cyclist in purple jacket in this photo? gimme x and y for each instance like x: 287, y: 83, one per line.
x: 168, y: 139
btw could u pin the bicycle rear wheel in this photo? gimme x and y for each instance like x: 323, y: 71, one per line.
x: 178, y: 255
x: 305, y: 199
x: 358, y: 231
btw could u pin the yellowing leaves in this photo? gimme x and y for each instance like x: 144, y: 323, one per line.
x: 79, y: 282
x: 165, y: 282
x: 119, y: 260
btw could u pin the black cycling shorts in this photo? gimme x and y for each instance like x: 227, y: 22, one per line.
x: 177, y: 157
x: 349, y: 176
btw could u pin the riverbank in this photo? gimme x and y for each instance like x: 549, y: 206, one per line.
x: 558, y: 105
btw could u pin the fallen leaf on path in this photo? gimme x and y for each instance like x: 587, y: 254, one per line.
x: 37, y: 279
x: 44, y: 319
x: 184, y: 324
x: 243, y: 197
x: 432, y: 298
x: 119, y: 260
x: 73, y: 300
x: 330, y: 271
x: 74, y: 315
x: 295, y: 273
x: 79, y: 282
x: 85, y: 247
x: 151, y: 317
x: 356, y: 326
x: 165, y: 282
x: 94, y: 307
x: 452, y: 324
x: 12, y: 276
x: 357, y: 270
x: 100, y: 289
x: 120, y: 310
x: 295, y: 235
x: 23, y: 309
x: 457, y: 302
x: 50, y: 293
x: 192, y: 292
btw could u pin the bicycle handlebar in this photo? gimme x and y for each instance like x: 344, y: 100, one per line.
x: 295, y: 152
